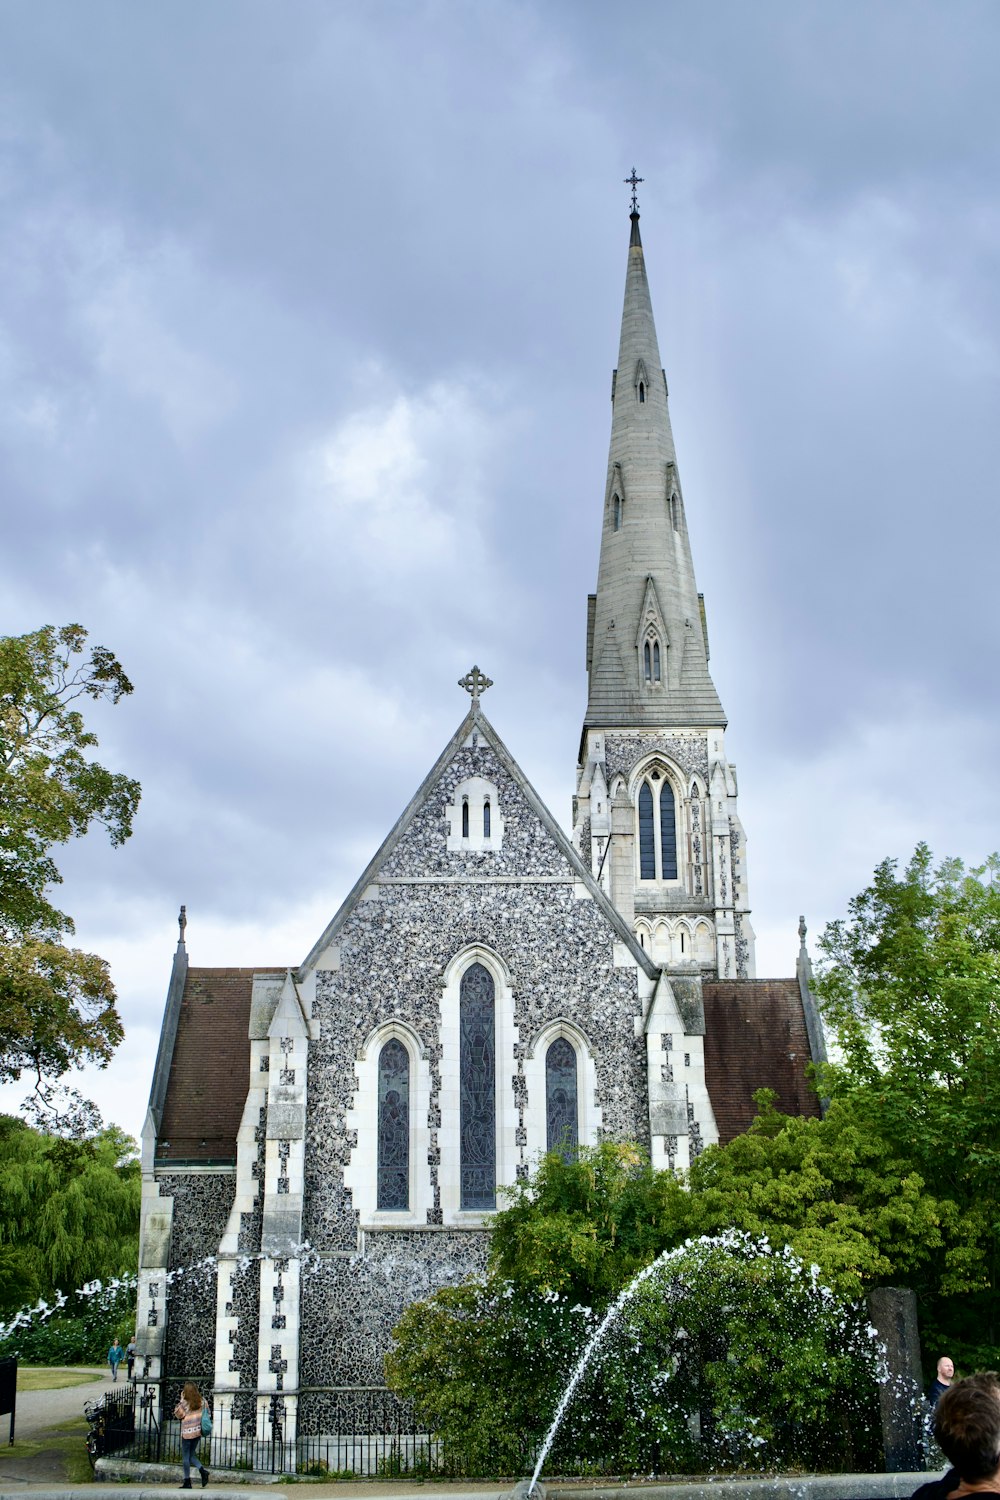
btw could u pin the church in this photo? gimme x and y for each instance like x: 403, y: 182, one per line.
x: 492, y: 988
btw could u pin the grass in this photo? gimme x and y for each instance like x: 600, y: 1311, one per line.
x: 37, y: 1378
x: 67, y: 1440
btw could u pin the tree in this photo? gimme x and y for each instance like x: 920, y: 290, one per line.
x: 583, y: 1226
x: 910, y: 984
x: 57, y: 1004
x: 69, y: 1211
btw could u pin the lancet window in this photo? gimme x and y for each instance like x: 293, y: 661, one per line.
x: 477, y: 1089
x: 561, y: 1115
x: 393, y: 1126
x: 651, y: 660
x: 657, y: 809
x: 616, y: 508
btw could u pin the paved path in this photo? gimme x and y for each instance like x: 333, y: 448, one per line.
x: 40, y: 1411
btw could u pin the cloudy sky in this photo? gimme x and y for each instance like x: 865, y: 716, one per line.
x: 307, y: 319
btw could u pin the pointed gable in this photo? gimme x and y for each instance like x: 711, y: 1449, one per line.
x: 533, y: 846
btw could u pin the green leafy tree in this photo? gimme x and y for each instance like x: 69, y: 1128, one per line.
x: 57, y: 1003
x: 69, y: 1211
x: 911, y: 988
x: 584, y: 1226
x: 834, y: 1190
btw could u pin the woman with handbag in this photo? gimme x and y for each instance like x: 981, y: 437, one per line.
x: 192, y: 1411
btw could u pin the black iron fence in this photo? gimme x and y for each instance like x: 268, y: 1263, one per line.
x: 362, y: 1432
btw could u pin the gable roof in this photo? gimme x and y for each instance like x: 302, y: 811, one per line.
x: 756, y: 1037
x: 206, y: 1087
x: 476, y: 719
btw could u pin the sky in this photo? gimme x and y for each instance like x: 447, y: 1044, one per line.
x: 308, y: 314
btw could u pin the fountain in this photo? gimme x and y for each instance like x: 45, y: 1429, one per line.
x: 735, y: 1347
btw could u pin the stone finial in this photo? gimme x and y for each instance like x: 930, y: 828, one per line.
x: 475, y: 682
x: 182, y: 921
x: 802, y: 932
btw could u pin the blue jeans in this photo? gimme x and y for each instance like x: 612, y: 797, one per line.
x: 189, y: 1453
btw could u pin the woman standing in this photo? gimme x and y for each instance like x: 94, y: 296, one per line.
x: 115, y: 1356
x: 189, y: 1409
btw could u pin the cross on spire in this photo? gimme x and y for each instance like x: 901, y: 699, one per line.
x: 633, y: 182
x: 475, y: 682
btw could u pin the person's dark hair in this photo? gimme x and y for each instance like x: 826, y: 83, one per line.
x: 967, y: 1425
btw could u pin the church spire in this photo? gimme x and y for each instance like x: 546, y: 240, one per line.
x: 647, y: 650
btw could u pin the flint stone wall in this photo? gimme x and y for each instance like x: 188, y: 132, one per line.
x: 350, y: 1305
x: 202, y: 1201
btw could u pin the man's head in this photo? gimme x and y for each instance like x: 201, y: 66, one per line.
x: 946, y: 1370
x: 967, y: 1425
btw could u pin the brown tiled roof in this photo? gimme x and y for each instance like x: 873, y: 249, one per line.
x: 755, y: 1037
x: 210, y: 1068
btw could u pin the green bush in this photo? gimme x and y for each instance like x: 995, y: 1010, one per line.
x: 725, y: 1354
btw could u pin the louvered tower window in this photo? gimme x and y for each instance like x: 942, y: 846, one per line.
x: 657, y: 829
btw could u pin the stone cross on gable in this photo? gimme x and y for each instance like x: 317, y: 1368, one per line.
x: 475, y: 682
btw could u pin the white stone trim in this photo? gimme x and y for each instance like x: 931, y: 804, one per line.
x: 360, y: 1174
x: 476, y: 791
x: 588, y: 1111
x: 507, y: 1152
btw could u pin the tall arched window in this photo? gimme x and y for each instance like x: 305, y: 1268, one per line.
x: 477, y: 1089
x: 486, y: 818
x: 617, y: 508
x: 465, y: 817
x: 393, y: 1126
x: 657, y: 829
x: 647, y: 839
x: 561, y: 1119
x: 642, y: 391
x: 656, y: 661
x: 647, y: 669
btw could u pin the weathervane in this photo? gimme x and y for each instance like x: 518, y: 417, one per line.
x: 475, y: 682
x: 633, y: 182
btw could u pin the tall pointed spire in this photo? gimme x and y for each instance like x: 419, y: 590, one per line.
x: 647, y: 651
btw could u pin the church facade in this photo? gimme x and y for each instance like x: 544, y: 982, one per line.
x: 548, y: 989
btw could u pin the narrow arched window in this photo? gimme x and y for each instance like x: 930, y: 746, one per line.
x: 647, y: 847
x: 647, y: 669
x: 668, y: 832
x: 393, y: 1126
x: 642, y: 391
x: 656, y: 661
x: 617, y: 514
x: 673, y: 511
x: 465, y: 817
x: 477, y: 1089
x: 561, y: 1127
x: 486, y: 818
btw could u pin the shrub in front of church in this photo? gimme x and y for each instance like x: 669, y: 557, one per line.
x: 731, y: 1355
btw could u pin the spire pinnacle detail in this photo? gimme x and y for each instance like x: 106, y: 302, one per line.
x: 633, y: 182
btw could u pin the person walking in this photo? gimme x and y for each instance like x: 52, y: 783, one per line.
x: 115, y: 1356
x: 130, y: 1353
x: 190, y: 1409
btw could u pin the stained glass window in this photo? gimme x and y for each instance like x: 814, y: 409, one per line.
x: 560, y: 1099
x: 394, y: 1126
x: 668, y: 832
x: 647, y: 852
x: 477, y: 1079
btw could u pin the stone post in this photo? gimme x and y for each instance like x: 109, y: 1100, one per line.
x: 893, y: 1311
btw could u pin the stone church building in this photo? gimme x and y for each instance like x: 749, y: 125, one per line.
x: 545, y: 990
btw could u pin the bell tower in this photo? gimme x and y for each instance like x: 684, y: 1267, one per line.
x: 655, y: 811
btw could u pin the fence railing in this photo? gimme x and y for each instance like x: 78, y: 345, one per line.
x: 361, y: 1431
